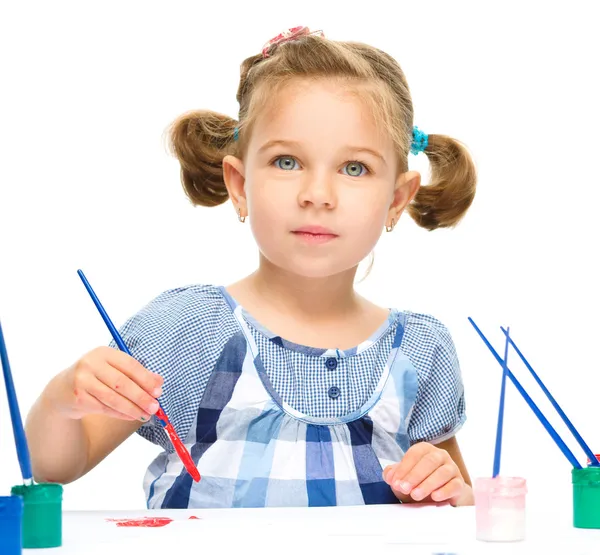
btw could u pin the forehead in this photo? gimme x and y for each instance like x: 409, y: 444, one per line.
x: 320, y: 111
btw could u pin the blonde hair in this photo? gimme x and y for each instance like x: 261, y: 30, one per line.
x: 200, y: 139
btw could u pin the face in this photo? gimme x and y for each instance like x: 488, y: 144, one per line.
x: 319, y: 181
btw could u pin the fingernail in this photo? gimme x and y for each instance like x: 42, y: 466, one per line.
x: 402, y: 486
x: 417, y: 494
x: 153, y: 407
x: 157, y: 392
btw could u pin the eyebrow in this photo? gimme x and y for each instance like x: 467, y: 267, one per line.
x: 279, y: 142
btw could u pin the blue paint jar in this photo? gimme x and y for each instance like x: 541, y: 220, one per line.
x: 11, y: 514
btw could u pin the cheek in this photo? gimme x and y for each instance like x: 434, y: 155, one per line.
x: 267, y: 207
x: 368, y: 211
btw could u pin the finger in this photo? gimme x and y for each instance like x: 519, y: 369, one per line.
x: 88, y: 404
x: 397, y: 473
x: 426, y: 465
x: 149, y: 381
x: 127, y: 388
x: 117, y: 402
x: 435, y: 481
x: 452, y: 489
x: 393, y: 474
x: 391, y: 471
x: 388, y: 471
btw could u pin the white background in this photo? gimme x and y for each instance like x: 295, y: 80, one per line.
x: 85, y: 182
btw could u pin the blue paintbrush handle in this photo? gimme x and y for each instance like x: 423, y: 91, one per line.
x: 498, y: 448
x: 111, y: 327
x: 15, y: 414
x: 553, y: 433
x: 113, y: 331
x: 572, y: 429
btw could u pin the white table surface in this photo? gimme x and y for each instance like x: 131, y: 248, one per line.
x: 400, y: 529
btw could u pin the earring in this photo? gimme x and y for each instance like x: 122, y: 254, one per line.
x: 240, y: 217
x: 390, y: 227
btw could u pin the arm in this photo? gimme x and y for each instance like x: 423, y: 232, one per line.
x: 63, y: 449
x: 87, y: 411
x: 452, y: 448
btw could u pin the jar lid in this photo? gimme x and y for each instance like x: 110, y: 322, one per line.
x: 589, y: 476
x: 502, y: 485
x: 39, y: 493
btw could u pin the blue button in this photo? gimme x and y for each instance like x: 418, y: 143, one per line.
x: 334, y: 392
x: 331, y: 363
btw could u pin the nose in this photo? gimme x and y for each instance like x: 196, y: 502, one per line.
x: 318, y: 190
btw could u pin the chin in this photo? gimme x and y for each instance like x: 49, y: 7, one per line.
x: 315, y: 268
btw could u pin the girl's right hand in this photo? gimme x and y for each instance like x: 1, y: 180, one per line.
x: 107, y: 381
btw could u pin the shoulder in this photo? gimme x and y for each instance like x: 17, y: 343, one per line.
x: 428, y: 343
x: 426, y: 329
x: 181, y: 304
x: 179, y: 315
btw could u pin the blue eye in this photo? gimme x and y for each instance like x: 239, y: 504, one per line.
x: 286, y: 163
x: 355, y: 169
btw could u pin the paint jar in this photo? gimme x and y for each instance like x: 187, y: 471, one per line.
x: 500, y: 509
x: 11, y: 513
x: 586, y: 497
x: 42, y: 515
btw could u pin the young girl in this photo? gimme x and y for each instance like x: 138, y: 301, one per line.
x: 287, y: 387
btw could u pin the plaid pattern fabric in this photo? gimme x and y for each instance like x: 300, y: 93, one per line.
x: 257, y: 413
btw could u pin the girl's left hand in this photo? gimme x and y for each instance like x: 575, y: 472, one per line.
x: 427, y: 471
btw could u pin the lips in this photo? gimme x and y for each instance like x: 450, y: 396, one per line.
x: 314, y: 234
x: 315, y: 230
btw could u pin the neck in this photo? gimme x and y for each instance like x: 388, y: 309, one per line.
x: 304, y: 297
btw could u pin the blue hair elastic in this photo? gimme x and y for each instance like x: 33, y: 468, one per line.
x: 419, y: 142
x: 236, y: 133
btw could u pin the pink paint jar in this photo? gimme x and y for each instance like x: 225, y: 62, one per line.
x: 500, y: 509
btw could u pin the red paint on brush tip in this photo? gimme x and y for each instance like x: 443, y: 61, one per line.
x: 183, y: 453
x: 146, y: 522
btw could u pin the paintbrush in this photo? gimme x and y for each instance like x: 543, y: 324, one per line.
x: 183, y: 453
x: 15, y: 416
x: 553, y: 433
x: 498, y: 448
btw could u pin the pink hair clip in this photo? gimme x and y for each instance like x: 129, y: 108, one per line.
x: 287, y: 36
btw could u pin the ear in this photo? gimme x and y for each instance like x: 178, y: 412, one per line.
x: 407, y: 186
x: 234, y: 176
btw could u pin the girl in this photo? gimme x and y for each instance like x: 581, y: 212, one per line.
x: 288, y: 387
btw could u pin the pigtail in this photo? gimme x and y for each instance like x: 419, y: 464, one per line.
x: 200, y: 140
x: 445, y: 200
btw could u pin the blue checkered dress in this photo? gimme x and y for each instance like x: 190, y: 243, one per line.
x: 273, y: 423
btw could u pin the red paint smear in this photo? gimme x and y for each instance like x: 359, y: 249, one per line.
x: 193, y: 518
x: 179, y: 447
x: 146, y: 522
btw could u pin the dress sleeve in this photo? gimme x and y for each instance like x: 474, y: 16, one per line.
x: 439, y: 410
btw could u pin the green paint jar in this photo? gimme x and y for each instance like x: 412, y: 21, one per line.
x: 586, y: 497
x: 42, y: 514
